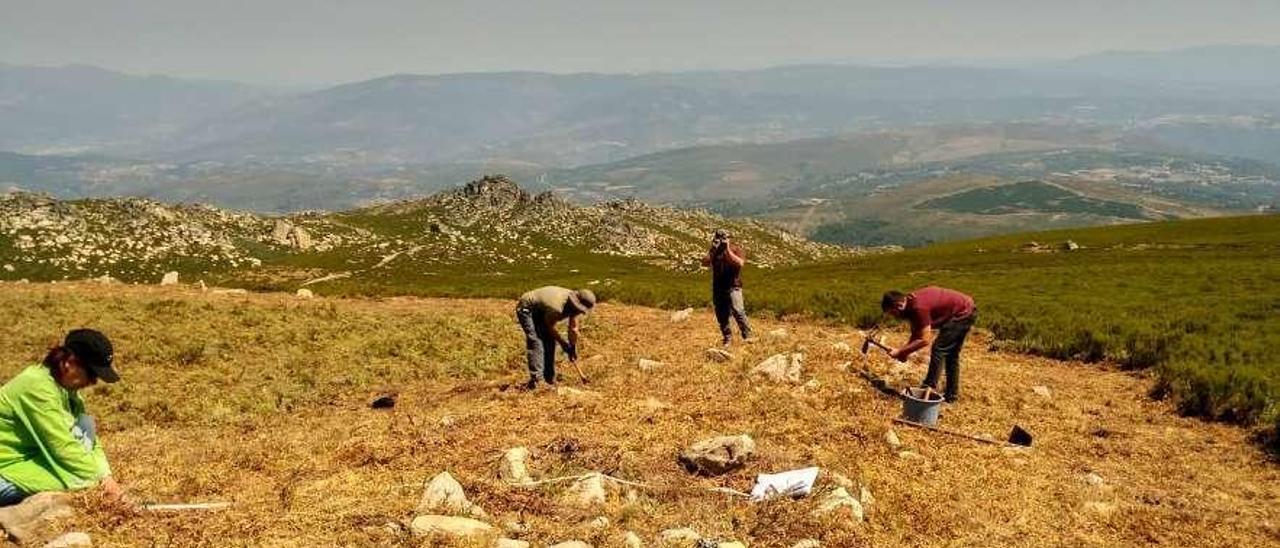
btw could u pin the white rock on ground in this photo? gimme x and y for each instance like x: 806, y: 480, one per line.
x: 598, y: 524
x: 510, y: 543
x: 631, y: 540
x: 444, y: 494
x: 718, y: 355
x: 840, y: 500
x: 649, y: 365
x: 865, y: 497
x: 571, y: 544
x: 842, y: 347
x: 807, y: 543
x: 170, y: 278
x: 1093, y: 479
x: 910, y: 455
x: 514, y: 466
x: 586, y: 492
x: 74, y: 539
x: 681, y: 315
x: 452, y: 526
x: 779, y: 333
x: 304, y: 293
x: 682, y: 536
x: 718, y: 455
x: 838, y: 479
x: 781, y: 367
x: 1042, y: 391
x: 891, y: 438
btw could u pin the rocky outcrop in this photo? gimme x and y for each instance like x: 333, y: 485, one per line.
x: 490, y: 221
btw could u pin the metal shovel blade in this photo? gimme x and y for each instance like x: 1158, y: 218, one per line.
x: 1018, y: 436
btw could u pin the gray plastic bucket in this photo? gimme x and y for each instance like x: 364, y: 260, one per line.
x: 921, y: 405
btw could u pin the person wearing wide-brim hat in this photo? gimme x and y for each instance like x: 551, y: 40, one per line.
x: 47, y: 441
x: 538, y: 312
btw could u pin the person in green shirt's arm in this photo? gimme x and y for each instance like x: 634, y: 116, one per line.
x: 47, y: 441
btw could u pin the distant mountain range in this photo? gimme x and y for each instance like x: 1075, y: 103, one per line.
x: 843, y: 153
x: 576, y: 119
x: 77, y: 108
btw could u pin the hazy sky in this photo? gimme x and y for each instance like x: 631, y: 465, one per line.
x: 322, y: 41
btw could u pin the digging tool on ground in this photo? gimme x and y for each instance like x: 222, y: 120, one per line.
x: 186, y: 507
x: 581, y: 377
x: 1017, y: 438
x: 573, y: 359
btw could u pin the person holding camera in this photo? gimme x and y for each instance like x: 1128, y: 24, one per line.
x: 538, y: 312
x: 726, y: 260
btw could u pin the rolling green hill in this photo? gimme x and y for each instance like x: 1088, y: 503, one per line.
x: 1030, y: 197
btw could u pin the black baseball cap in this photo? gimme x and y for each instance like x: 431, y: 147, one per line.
x: 93, y: 349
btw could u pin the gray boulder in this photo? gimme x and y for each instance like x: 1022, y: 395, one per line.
x: 444, y: 494
x: 718, y: 455
x: 27, y: 520
x: 781, y: 368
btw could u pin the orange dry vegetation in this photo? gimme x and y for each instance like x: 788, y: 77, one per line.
x: 318, y: 467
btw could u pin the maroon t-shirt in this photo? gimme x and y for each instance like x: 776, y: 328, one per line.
x: 934, y: 306
x: 724, y: 274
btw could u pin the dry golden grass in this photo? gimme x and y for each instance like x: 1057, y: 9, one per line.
x: 262, y: 400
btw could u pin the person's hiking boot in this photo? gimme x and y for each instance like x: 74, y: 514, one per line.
x: 531, y: 384
x: 951, y: 399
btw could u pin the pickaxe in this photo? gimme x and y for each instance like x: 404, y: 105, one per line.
x: 573, y: 359
x: 871, y: 341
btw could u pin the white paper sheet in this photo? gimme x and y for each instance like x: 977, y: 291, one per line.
x: 792, y: 483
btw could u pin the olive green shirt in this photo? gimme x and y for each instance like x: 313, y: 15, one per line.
x: 549, y: 302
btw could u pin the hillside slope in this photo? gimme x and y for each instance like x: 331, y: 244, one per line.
x: 262, y: 401
x: 483, y: 227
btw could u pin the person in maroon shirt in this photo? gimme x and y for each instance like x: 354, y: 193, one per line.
x: 726, y: 260
x: 939, y: 317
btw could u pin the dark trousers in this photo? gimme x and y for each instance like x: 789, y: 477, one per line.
x: 946, y: 353
x: 728, y: 302
x: 539, y: 345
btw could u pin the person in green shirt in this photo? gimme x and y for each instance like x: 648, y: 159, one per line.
x: 47, y: 441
